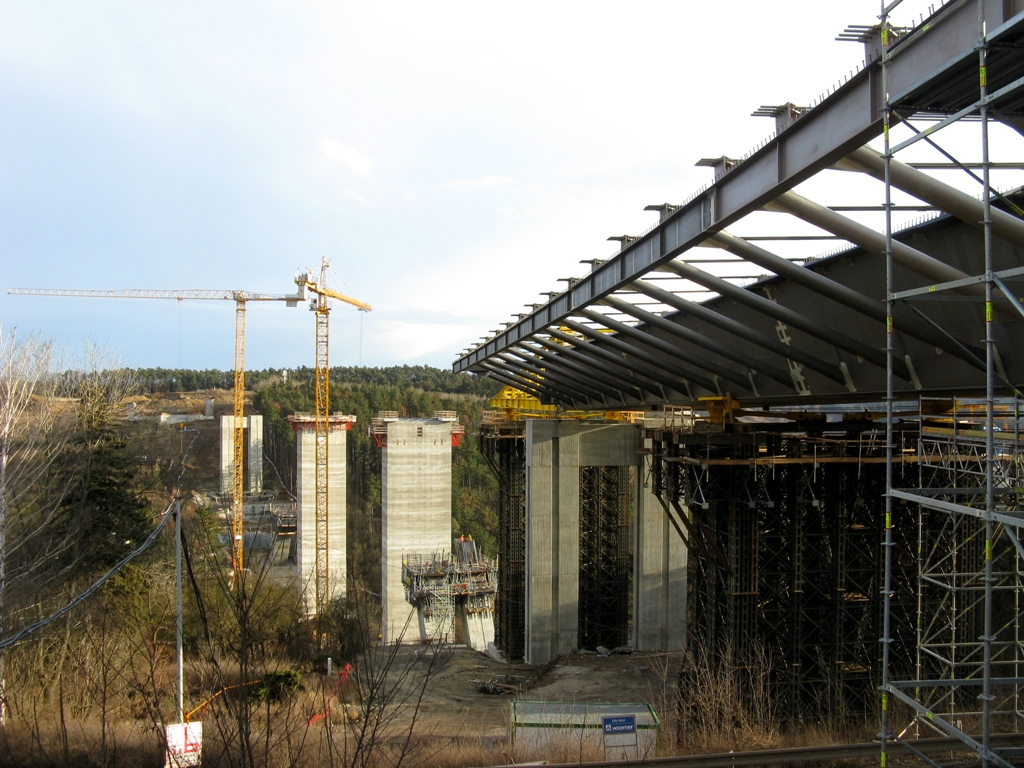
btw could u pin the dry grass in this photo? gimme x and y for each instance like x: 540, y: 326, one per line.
x: 725, y: 712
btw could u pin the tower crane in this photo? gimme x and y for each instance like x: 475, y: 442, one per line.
x: 322, y: 412
x: 241, y: 298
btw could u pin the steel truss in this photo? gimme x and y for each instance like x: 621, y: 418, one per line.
x: 968, y: 650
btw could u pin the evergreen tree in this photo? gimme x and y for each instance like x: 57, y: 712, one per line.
x: 104, y: 516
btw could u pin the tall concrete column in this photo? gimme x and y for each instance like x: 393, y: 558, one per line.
x: 416, y: 518
x: 254, y: 445
x: 659, y: 579
x: 556, y: 450
x: 552, y: 538
x: 227, y: 454
x: 337, y: 508
x: 253, y: 426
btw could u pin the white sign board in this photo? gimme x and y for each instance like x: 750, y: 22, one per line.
x: 184, y: 745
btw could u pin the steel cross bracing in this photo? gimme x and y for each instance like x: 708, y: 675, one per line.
x: 503, y: 445
x: 968, y: 678
x: 606, y: 557
x: 899, y: 312
x: 667, y: 320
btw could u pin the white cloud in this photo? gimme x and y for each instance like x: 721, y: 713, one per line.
x: 352, y: 159
x: 353, y: 195
x: 406, y: 341
x: 484, y: 182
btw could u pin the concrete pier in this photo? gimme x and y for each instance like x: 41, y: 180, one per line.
x: 417, y: 508
x: 556, y: 451
x: 659, y: 577
x: 253, y: 427
x: 476, y: 620
x: 337, y: 509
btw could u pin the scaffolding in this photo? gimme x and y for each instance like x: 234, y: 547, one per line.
x: 503, y: 445
x: 783, y: 532
x: 441, y: 584
x: 605, y: 537
x: 606, y: 556
x: 884, y: 556
x: 967, y: 673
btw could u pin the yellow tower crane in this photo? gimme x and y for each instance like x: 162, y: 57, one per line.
x: 322, y: 413
x: 241, y: 298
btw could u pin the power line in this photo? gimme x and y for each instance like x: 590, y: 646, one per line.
x: 24, y: 633
x: 96, y: 585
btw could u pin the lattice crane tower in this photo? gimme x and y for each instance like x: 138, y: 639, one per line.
x: 322, y: 308
x: 241, y: 298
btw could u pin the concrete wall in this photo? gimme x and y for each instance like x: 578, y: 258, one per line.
x: 417, y: 511
x: 659, y: 578
x: 555, y: 451
x: 337, y: 508
x: 253, y: 426
x: 552, y: 538
x: 476, y: 619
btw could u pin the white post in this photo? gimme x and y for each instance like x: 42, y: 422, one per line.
x: 177, y: 564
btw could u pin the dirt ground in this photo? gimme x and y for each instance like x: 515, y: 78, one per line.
x: 454, y: 702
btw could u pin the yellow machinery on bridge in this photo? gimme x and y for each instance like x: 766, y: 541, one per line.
x: 512, y: 404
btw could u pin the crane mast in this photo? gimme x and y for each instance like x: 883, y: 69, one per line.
x: 322, y: 384
x: 322, y: 412
x: 241, y: 298
x: 238, y: 450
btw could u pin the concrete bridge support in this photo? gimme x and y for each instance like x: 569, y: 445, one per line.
x: 337, y: 507
x: 253, y: 449
x: 417, y: 509
x: 592, y: 530
x: 476, y: 620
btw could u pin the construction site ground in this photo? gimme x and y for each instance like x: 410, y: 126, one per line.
x: 454, y: 703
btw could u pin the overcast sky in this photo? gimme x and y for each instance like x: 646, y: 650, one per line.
x: 452, y: 160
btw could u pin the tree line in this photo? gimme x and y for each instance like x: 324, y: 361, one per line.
x: 157, y: 380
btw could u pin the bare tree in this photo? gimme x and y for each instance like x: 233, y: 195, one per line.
x: 28, y: 445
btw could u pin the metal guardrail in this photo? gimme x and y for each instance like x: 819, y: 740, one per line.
x: 796, y: 754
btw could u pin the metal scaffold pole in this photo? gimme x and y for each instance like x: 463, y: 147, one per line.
x: 178, y: 611
x: 990, y: 458
x: 962, y: 531
x: 885, y: 735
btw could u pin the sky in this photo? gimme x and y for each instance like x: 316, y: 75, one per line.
x: 451, y: 160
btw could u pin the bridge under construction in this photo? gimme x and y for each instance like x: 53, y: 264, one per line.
x: 806, y: 463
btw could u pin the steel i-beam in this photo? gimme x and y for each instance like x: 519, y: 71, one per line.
x: 786, y: 315
x: 727, y: 324
x: 595, y: 350
x: 697, y: 339
x: 612, y: 368
x: 637, y: 336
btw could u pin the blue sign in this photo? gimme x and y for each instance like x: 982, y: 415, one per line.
x: 620, y: 724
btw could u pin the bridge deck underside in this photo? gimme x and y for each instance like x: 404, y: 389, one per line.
x: 668, y: 320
